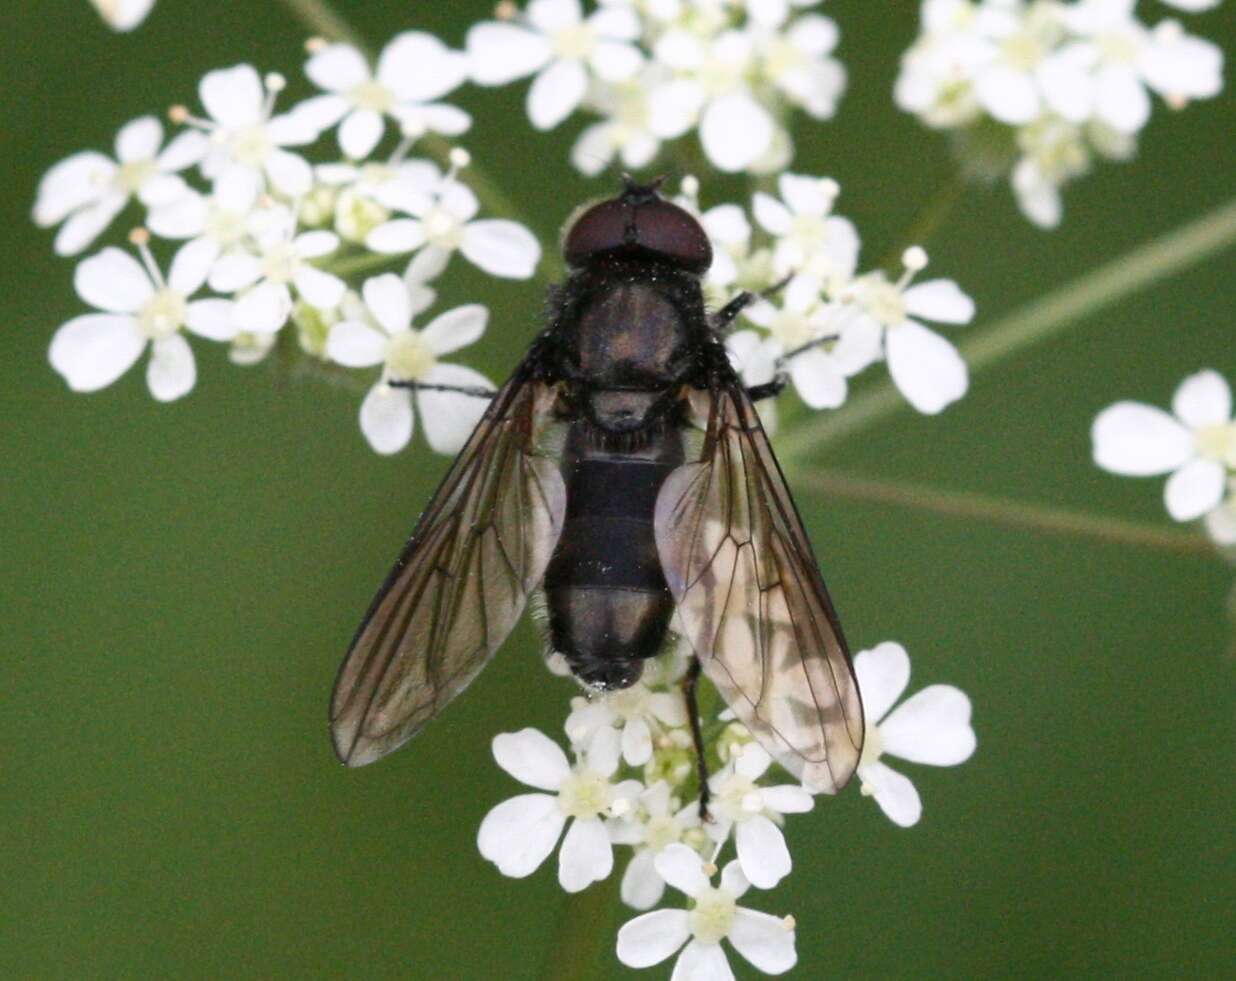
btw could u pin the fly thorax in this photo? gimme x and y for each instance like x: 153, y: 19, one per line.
x: 163, y: 314
x: 279, y: 263
x: 250, y: 145
x: 373, y: 95
x: 131, y: 176
x: 585, y: 794
x: 1217, y: 442
x: 408, y: 356
x: 713, y: 915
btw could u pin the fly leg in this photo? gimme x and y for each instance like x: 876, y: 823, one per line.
x: 782, y: 378
x: 697, y: 735
x: 475, y: 391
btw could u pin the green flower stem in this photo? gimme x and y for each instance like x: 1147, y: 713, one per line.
x: 928, y: 221
x: 1013, y: 514
x: 319, y: 17
x: 1039, y: 320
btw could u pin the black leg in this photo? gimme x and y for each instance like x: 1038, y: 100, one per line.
x: 697, y: 735
x: 724, y: 318
x: 480, y: 393
x: 769, y: 390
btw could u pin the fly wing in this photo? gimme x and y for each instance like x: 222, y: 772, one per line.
x: 460, y: 584
x: 751, y: 600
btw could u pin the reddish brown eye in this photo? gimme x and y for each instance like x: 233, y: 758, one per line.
x: 639, y: 222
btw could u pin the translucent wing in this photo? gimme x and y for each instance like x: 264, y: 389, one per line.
x: 751, y: 599
x: 460, y: 583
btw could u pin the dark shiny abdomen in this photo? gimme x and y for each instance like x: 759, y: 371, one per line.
x: 609, y: 606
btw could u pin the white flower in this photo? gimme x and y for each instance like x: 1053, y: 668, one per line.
x: 214, y: 225
x: 1197, y: 446
x: 1009, y: 83
x: 519, y: 834
x: 123, y: 15
x: 652, y: 827
x: 797, y: 62
x: 810, y: 238
x: 755, y: 358
x: 562, y: 48
x: 752, y: 812
x: 245, y: 136
x: 140, y: 309
x: 1221, y: 521
x: 413, y: 71
x: 766, y: 941
x: 1054, y: 152
x: 626, y: 129
x: 932, y: 726
x: 637, y: 712
x: 499, y: 247
x: 283, y: 259
x: 89, y: 189
x: 923, y: 365
x: 406, y: 354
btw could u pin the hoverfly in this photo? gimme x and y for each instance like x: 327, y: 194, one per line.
x: 622, y: 469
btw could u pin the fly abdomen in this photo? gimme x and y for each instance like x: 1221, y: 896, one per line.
x: 609, y: 606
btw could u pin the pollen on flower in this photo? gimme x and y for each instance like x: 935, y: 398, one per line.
x: 178, y: 114
x: 713, y: 915
x: 789, y: 922
x: 1217, y: 442
x: 460, y: 158
x: 584, y: 794
x: 139, y: 236
x: 315, y: 44
x: 506, y: 10
x: 408, y: 357
x: 914, y: 258
x: 275, y: 82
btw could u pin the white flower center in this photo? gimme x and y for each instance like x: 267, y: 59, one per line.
x: 250, y: 145
x: 1217, y: 442
x: 781, y: 58
x: 280, y: 262
x: 372, y: 94
x: 162, y: 314
x: 791, y: 329
x: 873, y: 746
x: 1023, y: 50
x: 408, y: 357
x: 224, y: 226
x: 739, y: 799
x: 131, y: 176
x: 1119, y: 47
x: 628, y: 703
x: 442, y: 228
x: 661, y: 831
x: 575, y: 42
x: 584, y: 794
x: 884, y: 301
x: 712, y: 916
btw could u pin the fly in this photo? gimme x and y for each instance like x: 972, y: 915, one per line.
x: 622, y: 469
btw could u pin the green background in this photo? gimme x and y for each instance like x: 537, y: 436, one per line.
x: 179, y: 582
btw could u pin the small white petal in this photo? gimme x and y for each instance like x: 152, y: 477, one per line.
x: 518, y: 834
x: 84, y: 226
x: 752, y: 762
x: 735, y: 131
x: 387, y: 298
x: 501, y: 248
x: 386, y: 419
x: 420, y: 68
x: 233, y: 96
x: 501, y: 53
x: 455, y: 328
x: 190, y: 266
x: 1203, y: 399
x: 321, y: 112
x: 636, y: 742
x: 171, y: 371
x: 818, y: 379
x: 92, y: 351
x: 805, y: 195
x: 235, y: 272
x: 883, y: 673
x: 139, y: 140
x: 337, y: 68
x: 925, y: 367
x: 1221, y: 525
x: 1194, y: 489
x: 319, y: 289
x: 615, y: 62
x: 70, y: 184
x: 400, y: 235
x: 355, y: 345
x: 161, y: 190
x: 762, y: 853
x: 211, y: 319
x: 604, y: 751
x: 1121, y: 100
x: 773, y: 216
x: 360, y: 133
x: 555, y: 93
x: 763, y: 940
x: 733, y: 881
x: 894, y: 793
x: 290, y: 174
x: 450, y: 417
x: 682, y: 868
x: 642, y: 888
x: 531, y: 757
x: 113, y: 281
x: 651, y: 938
x: 314, y: 245
x: 941, y: 300
x: 787, y: 799
x: 675, y: 107
x: 1009, y: 95
x: 932, y: 726
x: 1138, y: 440
x: 263, y: 309
x: 586, y: 855
x: 702, y: 962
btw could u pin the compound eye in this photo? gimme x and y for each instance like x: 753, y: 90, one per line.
x: 673, y: 233
x: 602, y: 228
x: 639, y: 223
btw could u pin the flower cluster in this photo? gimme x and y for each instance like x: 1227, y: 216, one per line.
x: 655, y: 70
x: 123, y: 15
x: 1037, y: 90
x: 634, y: 785
x: 260, y: 236
x: 818, y: 320
x: 1195, y: 443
